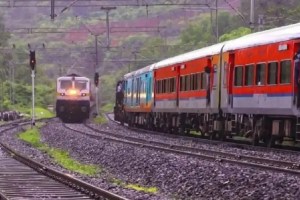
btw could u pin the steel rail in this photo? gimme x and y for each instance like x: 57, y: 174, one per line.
x: 267, y: 164
x: 229, y: 142
x: 65, y: 179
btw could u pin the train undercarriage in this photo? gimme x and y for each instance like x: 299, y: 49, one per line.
x: 257, y: 128
x: 72, y: 111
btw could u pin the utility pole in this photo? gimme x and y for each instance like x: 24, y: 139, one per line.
x: 10, y: 81
x: 217, y: 22
x: 261, y: 22
x: 13, y: 74
x: 96, y: 48
x: 252, y: 15
x: 107, y: 9
x: 52, y: 13
x: 13, y: 83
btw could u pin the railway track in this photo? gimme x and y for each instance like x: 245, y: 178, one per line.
x: 218, y: 156
x: 205, y: 140
x: 23, y: 178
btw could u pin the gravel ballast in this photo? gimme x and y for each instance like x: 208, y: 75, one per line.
x: 175, y: 176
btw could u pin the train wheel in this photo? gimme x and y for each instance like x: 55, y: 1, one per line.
x: 188, y: 131
x: 255, y: 139
x: 212, y: 136
x: 222, y: 136
x: 271, y: 142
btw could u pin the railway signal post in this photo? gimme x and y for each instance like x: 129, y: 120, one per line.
x: 96, y: 81
x: 32, y: 63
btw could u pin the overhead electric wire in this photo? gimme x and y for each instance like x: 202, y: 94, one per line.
x: 98, y: 3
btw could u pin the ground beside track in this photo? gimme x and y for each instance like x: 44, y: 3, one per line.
x: 176, y: 177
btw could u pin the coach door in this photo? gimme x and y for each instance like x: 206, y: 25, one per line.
x: 296, y: 98
x: 230, y: 79
x: 215, y: 88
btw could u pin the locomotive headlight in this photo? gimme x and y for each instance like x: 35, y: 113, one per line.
x: 72, y: 92
x: 83, y: 94
x: 62, y: 94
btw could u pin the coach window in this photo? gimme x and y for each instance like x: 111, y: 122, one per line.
x: 128, y: 88
x: 225, y: 67
x: 164, y: 85
x: 182, y: 83
x: 198, y: 81
x: 188, y: 82
x: 168, y: 85
x: 272, y: 73
x: 160, y: 86
x: 260, y: 74
x: 172, y: 85
x: 191, y: 81
x: 285, y: 71
x: 126, y: 91
x: 203, y: 80
x: 157, y: 86
x: 137, y: 90
x: 194, y: 86
x: 249, y: 72
x: 238, y: 76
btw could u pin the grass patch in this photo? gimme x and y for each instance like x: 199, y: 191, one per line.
x: 100, y: 119
x: 109, y: 107
x: 39, y: 112
x: 63, y: 158
x: 195, y: 133
x: 151, y: 190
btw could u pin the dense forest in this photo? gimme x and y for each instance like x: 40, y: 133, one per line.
x: 67, y: 44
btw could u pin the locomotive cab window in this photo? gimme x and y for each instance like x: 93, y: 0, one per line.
x: 260, y: 74
x: 285, y: 71
x: 249, y: 72
x: 81, y: 85
x: 272, y: 73
x: 65, y: 84
x: 238, y: 76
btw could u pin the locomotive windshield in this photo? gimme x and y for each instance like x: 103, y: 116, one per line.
x: 65, y: 84
x: 81, y: 84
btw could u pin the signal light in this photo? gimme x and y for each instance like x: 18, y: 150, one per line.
x: 32, y: 60
x: 96, y: 79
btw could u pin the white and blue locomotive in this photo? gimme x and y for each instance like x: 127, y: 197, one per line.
x: 73, y: 98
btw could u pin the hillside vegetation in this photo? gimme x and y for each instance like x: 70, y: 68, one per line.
x: 175, y: 31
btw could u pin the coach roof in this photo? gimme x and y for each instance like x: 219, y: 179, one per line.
x: 200, y: 53
x: 279, y: 34
x: 139, y: 71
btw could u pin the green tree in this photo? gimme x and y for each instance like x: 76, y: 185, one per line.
x: 235, y: 34
x: 202, y: 32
